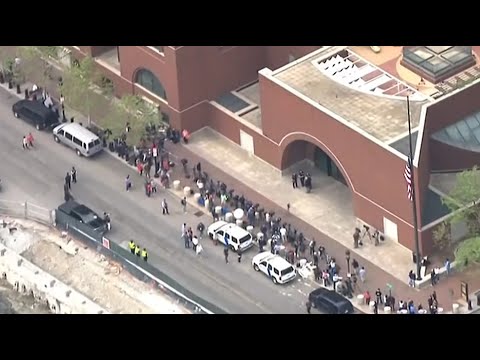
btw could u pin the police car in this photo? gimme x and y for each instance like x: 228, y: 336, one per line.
x: 275, y: 267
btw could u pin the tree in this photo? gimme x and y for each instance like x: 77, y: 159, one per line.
x: 76, y: 86
x: 466, y: 195
x: 34, y: 65
x: 442, y: 236
x: 468, y: 253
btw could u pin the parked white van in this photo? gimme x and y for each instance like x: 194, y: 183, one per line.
x: 274, y: 266
x: 230, y: 234
x: 82, y: 140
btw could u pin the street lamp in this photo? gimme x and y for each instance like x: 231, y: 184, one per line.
x: 347, y: 257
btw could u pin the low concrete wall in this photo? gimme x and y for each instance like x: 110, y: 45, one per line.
x: 27, y: 278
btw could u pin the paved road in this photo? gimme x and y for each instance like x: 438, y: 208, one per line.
x: 37, y: 175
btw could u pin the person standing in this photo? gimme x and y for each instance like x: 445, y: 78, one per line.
x: 137, y: 250
x: 73, y: 172
x: 294, y: 180
x: 378, y: 295
x: 239, y: 254
x: 131, y: 246
x: 165, y: 207
x: 108, y: 221
x: 194, y: 243
x: 411, y: 279
x: 301, y: 175
x: 448, y: 266
x: 362, y: 274
x: 68, y: 180
x: 308, y: 304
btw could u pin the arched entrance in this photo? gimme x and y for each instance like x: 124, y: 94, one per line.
x: 300, y: 153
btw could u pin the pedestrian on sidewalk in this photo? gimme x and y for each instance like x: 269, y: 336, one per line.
x: 68, y: 180
x: 375, y: 307
x: 308, y: 304
x: 448, y: 266
x: 139, y: 167
x: 378, y: 295
x: 165, y: 207
x: 288, y: 207
x: 194, y: 243
x: 411, y: 279
x: 311, y: 246
x: 25, y: 143
x: 225, y: 254
x: 295, y: 180
x: 433, y: 277
x: 301, y: 175
x: 362, y: 274
x: 73, y: 173
x: 108, y: 221
x: 356, y: 238
x: 30, y: 139
x: 184, y: 204
x: 367, y: 297
x: 315, y: 259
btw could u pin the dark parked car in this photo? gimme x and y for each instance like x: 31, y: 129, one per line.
x: 35, y: 113
x: 330, y: 302
x: 84, y: 215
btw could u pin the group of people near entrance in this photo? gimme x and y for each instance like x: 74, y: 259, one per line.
x: 305, y: 180
x: 136, y: 250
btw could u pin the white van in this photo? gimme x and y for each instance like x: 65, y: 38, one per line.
x: 274, y: 266
x: 230, y: 234
x: 82, y: 140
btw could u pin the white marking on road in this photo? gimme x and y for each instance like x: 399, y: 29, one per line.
x: 301, y: 292
x: 307, y: 284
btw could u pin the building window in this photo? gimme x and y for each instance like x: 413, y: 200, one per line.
x: 158, y: 49
x: 146, y: 79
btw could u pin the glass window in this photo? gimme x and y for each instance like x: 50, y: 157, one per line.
x: 68, y: 136
x: 146, y: 79
x: 78, y: 142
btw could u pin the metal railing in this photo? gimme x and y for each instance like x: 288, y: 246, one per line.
x: 27, y: 210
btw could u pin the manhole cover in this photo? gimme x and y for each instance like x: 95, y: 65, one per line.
x: 198, y: 213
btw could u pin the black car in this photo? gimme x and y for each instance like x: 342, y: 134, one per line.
x: 330, y: 302
x: 36, y: 113
x: 84, y: 215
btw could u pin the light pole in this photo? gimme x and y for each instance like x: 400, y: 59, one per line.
x: 347, y: 257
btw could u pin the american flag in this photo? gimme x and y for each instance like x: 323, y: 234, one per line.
x: 407, y: 174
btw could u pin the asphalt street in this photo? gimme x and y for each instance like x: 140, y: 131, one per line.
x: 37, y: 175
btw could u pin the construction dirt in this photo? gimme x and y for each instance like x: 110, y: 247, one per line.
x: 82, y: 268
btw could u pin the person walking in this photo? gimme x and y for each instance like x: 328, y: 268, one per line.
x: 184, y: 204
x: 68, y: 181
x: 108, y: 221
x: 165, y: 207
x: 73, y: 173
x: 25, y: 143
x: 144, y: 255
x: 30, y: 140
x: 128, y: 183
x: 294, y: 180
x: 194, y: 243
x: 131, y: 246
x: 225, y: 254
x: 137, y: 250
x: 239, y: 255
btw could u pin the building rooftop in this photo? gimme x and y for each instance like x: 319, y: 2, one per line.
x: 362, y: 93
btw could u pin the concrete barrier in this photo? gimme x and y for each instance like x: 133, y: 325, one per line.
x: 176, y: 185
x: 360, y: 299
x: 387, y: 310
x: 250, y: 229
x: 197, y: 197
x: 239, y: 222
x: 455, y: 308
x: 186, y: 191
x: 371, y: 305
x: 29, y: 279
x: 440, y: 310
x: 229, y: 217
x: 218, y: 210
x: 207, y: 203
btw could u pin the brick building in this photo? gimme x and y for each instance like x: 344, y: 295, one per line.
x: 343, y: 108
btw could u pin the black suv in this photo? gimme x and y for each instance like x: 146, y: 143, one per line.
x: 36, y: 113
x: 84, y: 215
x: 330, y: 302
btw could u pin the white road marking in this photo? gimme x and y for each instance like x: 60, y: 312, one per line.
x: 307, y: 284
x: 301, y: 292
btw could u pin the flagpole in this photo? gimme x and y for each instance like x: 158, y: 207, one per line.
x: 414, y: 197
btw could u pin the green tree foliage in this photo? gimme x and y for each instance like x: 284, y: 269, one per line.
x: 77, y: 86
x: 34, y: 65
x: 466, y: 193
x: 468, y: 253
x: 442, y: 236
